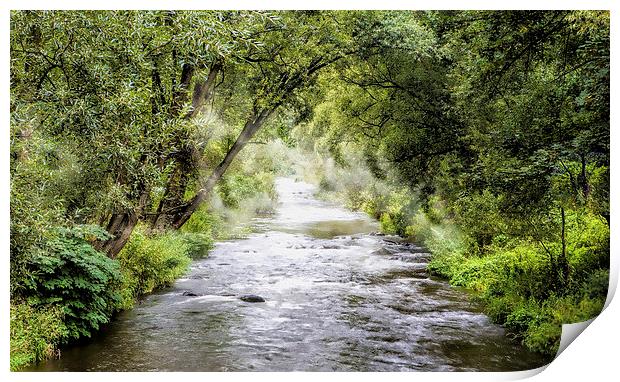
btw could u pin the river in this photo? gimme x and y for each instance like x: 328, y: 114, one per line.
x: 337, y: 298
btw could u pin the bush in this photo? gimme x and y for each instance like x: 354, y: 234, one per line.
x: 511, y: 277
x: 479, y: 216
x: 150, y: 263
x: 521, y: 316
x: 543, y: 337
x: 35, y: 333
x: 499, y: 308
x: 73, y: 289
x: 71, y: 274
x: 373, y: 203
x: 236, y: 188
x: 204, y: 222
x: 197, y: 245
x: 597, y: 284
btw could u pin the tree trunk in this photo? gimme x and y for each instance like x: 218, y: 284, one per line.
x: 583, y: 178
x: 203, y: 91
x: 287, y: 84
x: 179, y: 96
x: 120, y: 226
x: 562, y: 260
x: 182, y: 214
x: 175, y: 191
x: 172, y: 201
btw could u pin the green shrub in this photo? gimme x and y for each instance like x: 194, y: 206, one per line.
x: 571, y: 309
x: 597, y: 284
x: 521, y: 316
x: 35, y: 333
x: 197, y: 245
x: 543, y: 337
x: 479, y: 216
x: 235, y: 188
x: 71, y: 274
x: 511, y: 278
x: 373, y: 203
x: 149, y: 263
x: 326, y: 185
x: 204, y: 221
x: 588, y: 246
x: 499, y: 308
x: 544, y: 329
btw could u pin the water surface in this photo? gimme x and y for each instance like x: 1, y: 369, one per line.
x: 338, y: 298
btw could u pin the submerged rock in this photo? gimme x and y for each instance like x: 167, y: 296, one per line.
x: 251, y: 298
x: 190, y: 294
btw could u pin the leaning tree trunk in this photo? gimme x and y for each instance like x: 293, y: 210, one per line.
x: 186, y: 161
x: 175, y: 191
x: 120, y: 227
x: 180, y: 215
x: 287, y: 84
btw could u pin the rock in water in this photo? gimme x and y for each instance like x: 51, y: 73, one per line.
x: 190, y: 294
x: 251, y: 298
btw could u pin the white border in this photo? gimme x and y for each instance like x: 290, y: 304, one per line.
x: 316, y: 4
x: 592, y: 356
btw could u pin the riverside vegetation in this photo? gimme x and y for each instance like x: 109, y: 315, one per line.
x: 140, y: 137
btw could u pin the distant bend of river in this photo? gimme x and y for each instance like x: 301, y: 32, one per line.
x: 337, y: 298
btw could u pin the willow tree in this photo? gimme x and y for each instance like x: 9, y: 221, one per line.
x: 119, y: 93
x: 293, y: 49
x: 116, y: 91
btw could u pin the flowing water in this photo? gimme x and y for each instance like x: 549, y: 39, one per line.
x: 337, y: 298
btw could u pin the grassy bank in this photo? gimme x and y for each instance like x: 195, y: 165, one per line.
x: 514, y: 277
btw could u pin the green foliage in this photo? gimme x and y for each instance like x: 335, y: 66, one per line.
x: 71, y: 274
x: 35, y: 333
x: 480, y: 217
x: 150, y: 263
x: 498, y: 123
x: 204, y: 221
x: 236, y: 188
x: 512, y: 281
x: 197, y: 245
x: 36, y: 205
x: 543, y: 338
x: 596, y: 285
x: 483, y: 135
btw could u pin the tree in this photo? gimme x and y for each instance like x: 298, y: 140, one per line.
x: 289, y: 59
x: 112, y: 88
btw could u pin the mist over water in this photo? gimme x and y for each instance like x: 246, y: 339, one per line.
x: 338, y: 298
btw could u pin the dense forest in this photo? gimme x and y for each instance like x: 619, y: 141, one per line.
x: 139, y: 137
